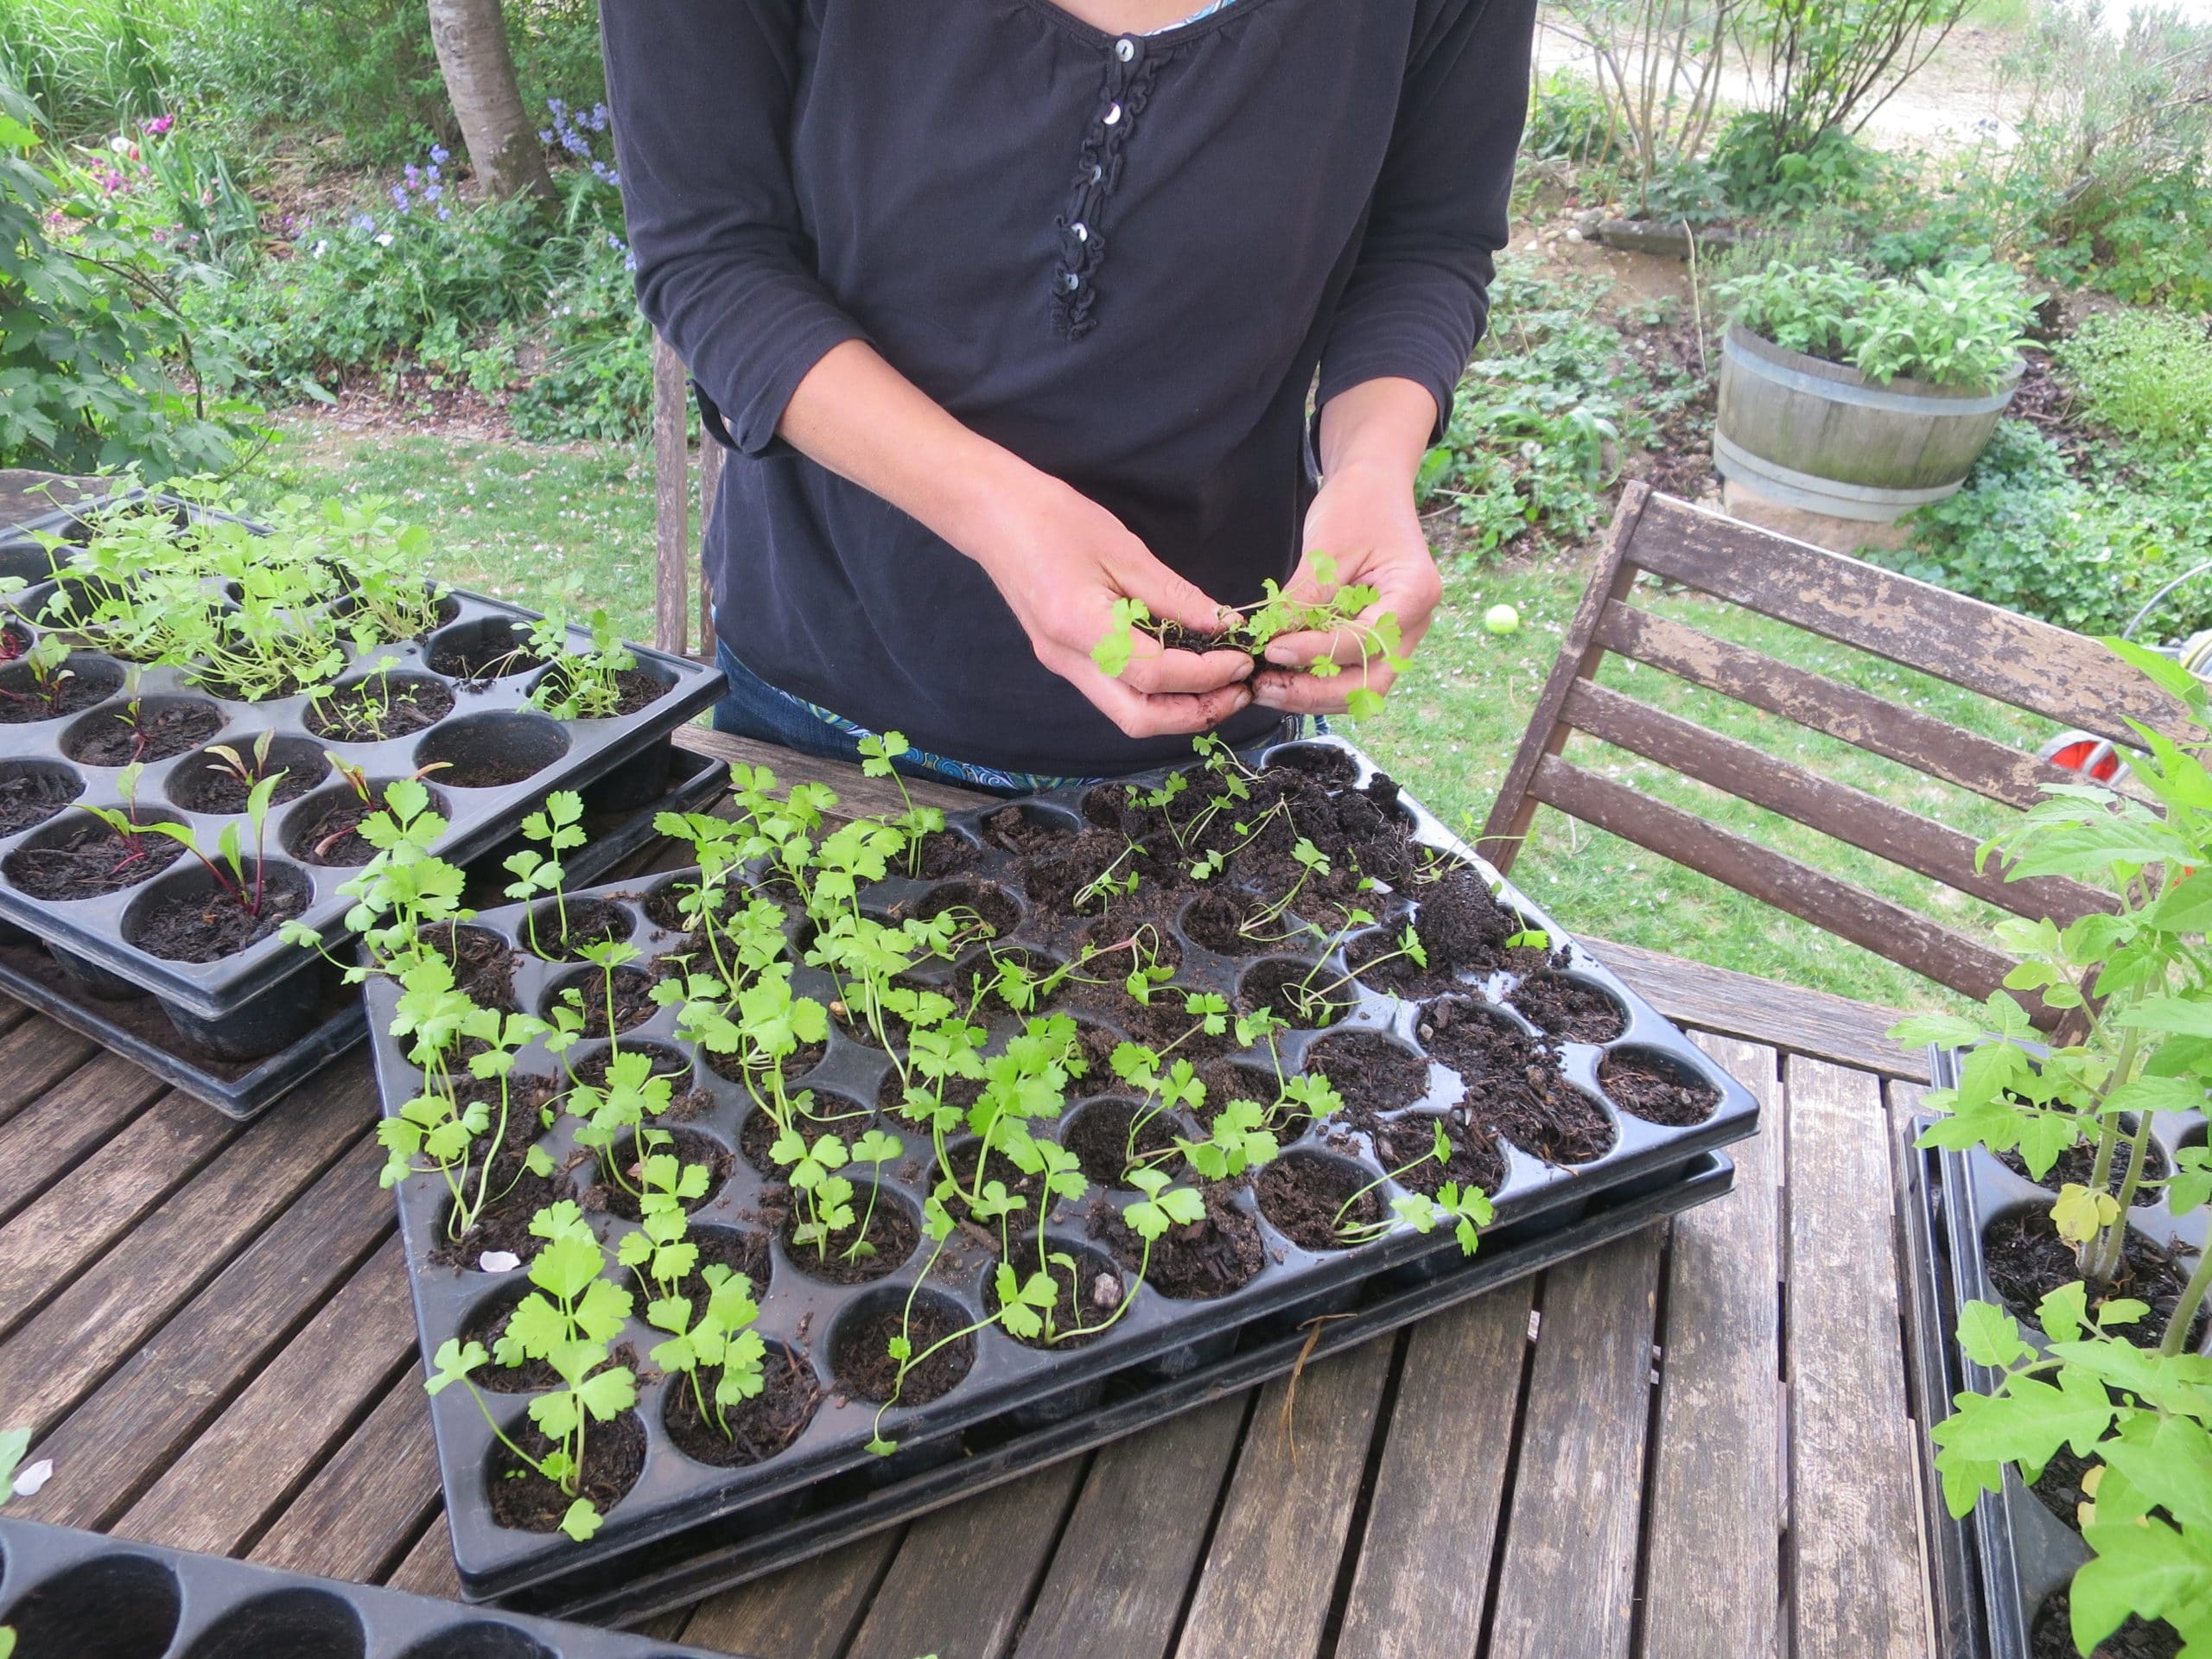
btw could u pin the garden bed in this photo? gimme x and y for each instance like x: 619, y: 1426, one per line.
x: 80, y: 1594
x: 135, y: 1026
x: 1981, y: 1229
x: 1540, y: 1126
x: 123, y: 908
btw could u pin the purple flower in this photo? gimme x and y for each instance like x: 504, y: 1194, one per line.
x: 558, y: 108
x: 111, y: 181
x: 432, y: 191
x: 440, y: 154
x: 445, y: 213
x: 434, y: 175
x: 545, y: 135
x: 613, y: 241
x: 413, y: 174
x: 399, y: 198
x: 364, y: 222
x: 160, y: 124
x: 597, y: 119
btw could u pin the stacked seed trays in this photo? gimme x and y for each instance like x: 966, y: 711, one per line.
x: 80, y: 1595
x: 1576, y: 1135
x: 126, y: 936
x: 1980, y: 1232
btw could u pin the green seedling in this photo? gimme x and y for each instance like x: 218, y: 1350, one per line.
x: 583, y: 684
x: 557, y: 829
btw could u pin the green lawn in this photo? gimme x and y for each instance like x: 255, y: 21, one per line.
x: 529, y: 522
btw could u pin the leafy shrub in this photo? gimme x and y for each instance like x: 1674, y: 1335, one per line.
x: 1542, y: 417
x: 1828, y: 65
x: 1567, y: 120
x: 2025, y: 535
x: 88, y: 329
x: 2147, y: 373
x: 374, y: 287
x: 1765, y: 171
x: 1957, y: 327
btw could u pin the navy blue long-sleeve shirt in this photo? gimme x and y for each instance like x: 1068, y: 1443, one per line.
x: 1124, y: 257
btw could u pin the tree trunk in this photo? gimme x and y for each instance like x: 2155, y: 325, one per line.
x: 471, y: 36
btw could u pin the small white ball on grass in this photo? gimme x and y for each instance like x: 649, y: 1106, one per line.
x: 1502, y: 619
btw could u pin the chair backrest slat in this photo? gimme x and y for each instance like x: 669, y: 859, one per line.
x: 2010, y: 659
x: 2014, y: 776
x: 1837, y: 906
x: 1850, y: 814
x: 2016, y: 659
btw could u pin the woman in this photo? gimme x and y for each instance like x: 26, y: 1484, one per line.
x: 1011, y: 309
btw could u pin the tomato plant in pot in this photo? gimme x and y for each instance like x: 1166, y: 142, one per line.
x: 891, y: 1128
x: 1864, y: 396
x: 2077, y: 1178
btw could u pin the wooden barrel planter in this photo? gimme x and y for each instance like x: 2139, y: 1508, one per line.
x: 1821, y: 436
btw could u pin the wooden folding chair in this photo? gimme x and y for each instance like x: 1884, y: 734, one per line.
x: 2011, y: 658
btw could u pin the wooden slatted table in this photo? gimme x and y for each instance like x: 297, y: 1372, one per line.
x: 1634, y: 1454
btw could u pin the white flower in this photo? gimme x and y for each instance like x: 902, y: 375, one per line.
x: 384, y: 239
x: 315, y: 252
x: 32, y: 1475
x: 498, y: 1261
x: 119, y: 145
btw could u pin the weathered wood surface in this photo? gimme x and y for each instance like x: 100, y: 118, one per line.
x: 1998, y: 654
x: 672, y: 561
x: 1840, y: 907
x: 209, y: 1331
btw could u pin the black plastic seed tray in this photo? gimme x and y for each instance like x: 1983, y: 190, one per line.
x: 2022, y: 1552
x: 804, y: 1318
x: 137, y: 1026
x: 733, y: 1550
x: 489, y: 730
x: 83, y: 1595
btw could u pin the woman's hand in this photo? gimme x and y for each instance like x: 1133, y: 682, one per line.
x: 1373, y: 437
x: 1061, y: 561
x: 1059, y: 558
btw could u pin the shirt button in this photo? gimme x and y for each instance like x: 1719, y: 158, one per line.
x: 1082, y: 231
x: 1097, y: 173
x: 1071, y: 281
x: 1125, y: 49
x: 1114, y: 116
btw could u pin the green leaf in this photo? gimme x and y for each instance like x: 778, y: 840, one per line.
x: 2063, y: 1313
x: 2145, y: 1567
x: 1990, y: 1336
x: 582, y: 1521
x: 2179, y: 1014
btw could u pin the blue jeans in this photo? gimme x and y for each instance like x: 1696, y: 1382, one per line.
x: 768, y: 714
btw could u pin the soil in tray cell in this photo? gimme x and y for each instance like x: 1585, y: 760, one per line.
x: 560, y: 931
x: 617, y: 1194
x: 1307, y: 995
x: 753, y: 1431
x: 636, y: 690
x: 163, y: 727
x: 1215, y: 921
x: 2078, y: 1162
x: 1324, y: 761
x: 333, y: 838
x: 205, y: 783
x: 378, y: 707
x: 1027, y: 832
x: 831, y: 1113
x: 944, y: 853
x: 1514, y: 1084
x: 1309, y: 1199
x: 1211, y: 1256
x: 1560, y: 1006
x: 1475, y: 1161
x: 980, y: 910
x: 1462, y: 929
x: 31, y: 791
x: 1087, y: 1297
x: 2027, y: 1260
x: 1657, y: 1088
x: 1098, y: 1134
x: 1055, y: 879
x: 504, y: 1224
x: 960, y: 1164
x: 860, y: 1347
x: 83, y: 858
x: 731, y: 1067
x: 614, y: 1456
x: 1227, y: 1080
x: 203, y: 921
x: 1370, y: 1072
x: 628, y: 991
x: 891, y: 1238
x: 483, y: 964
x: 488, y: 1323
x: 685, y: 1103
x: 82, y: 682
x: 2052, y: 1637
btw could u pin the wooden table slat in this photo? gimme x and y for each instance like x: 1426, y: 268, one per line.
x: 1569, y: 1579
x: 1119, y: 1582
x: 80, y: 1134
x: 963, y: 1576
x: 1437, y: 1495
x: 805, y: 1612
x: 219, y: 1493
x: 1860, y: 1590
x: 35, y: 1055
x: 358, y: 1516
x: 181, y: 1377
x: 1265, y: 1587
x: 1714, y: 1535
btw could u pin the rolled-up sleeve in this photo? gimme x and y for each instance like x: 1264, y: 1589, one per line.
x: 701, y: 91
x: 1420, y: 293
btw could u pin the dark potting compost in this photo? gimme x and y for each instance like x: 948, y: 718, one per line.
x: 1316, y: 1230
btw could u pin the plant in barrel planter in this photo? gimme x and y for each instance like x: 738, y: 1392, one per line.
x: 890, y: 1128
x: 176, y: 659
x: 1864, y: 396
x: 2104, y: 1408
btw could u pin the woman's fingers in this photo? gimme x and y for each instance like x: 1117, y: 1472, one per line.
x: 1138, y: 714
x: 1154, y: 671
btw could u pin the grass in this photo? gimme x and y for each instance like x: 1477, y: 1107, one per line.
x: 530, y: 523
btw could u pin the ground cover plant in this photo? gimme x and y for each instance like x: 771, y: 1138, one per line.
x: 1079, y: 1115
x: 2111, y: 1378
